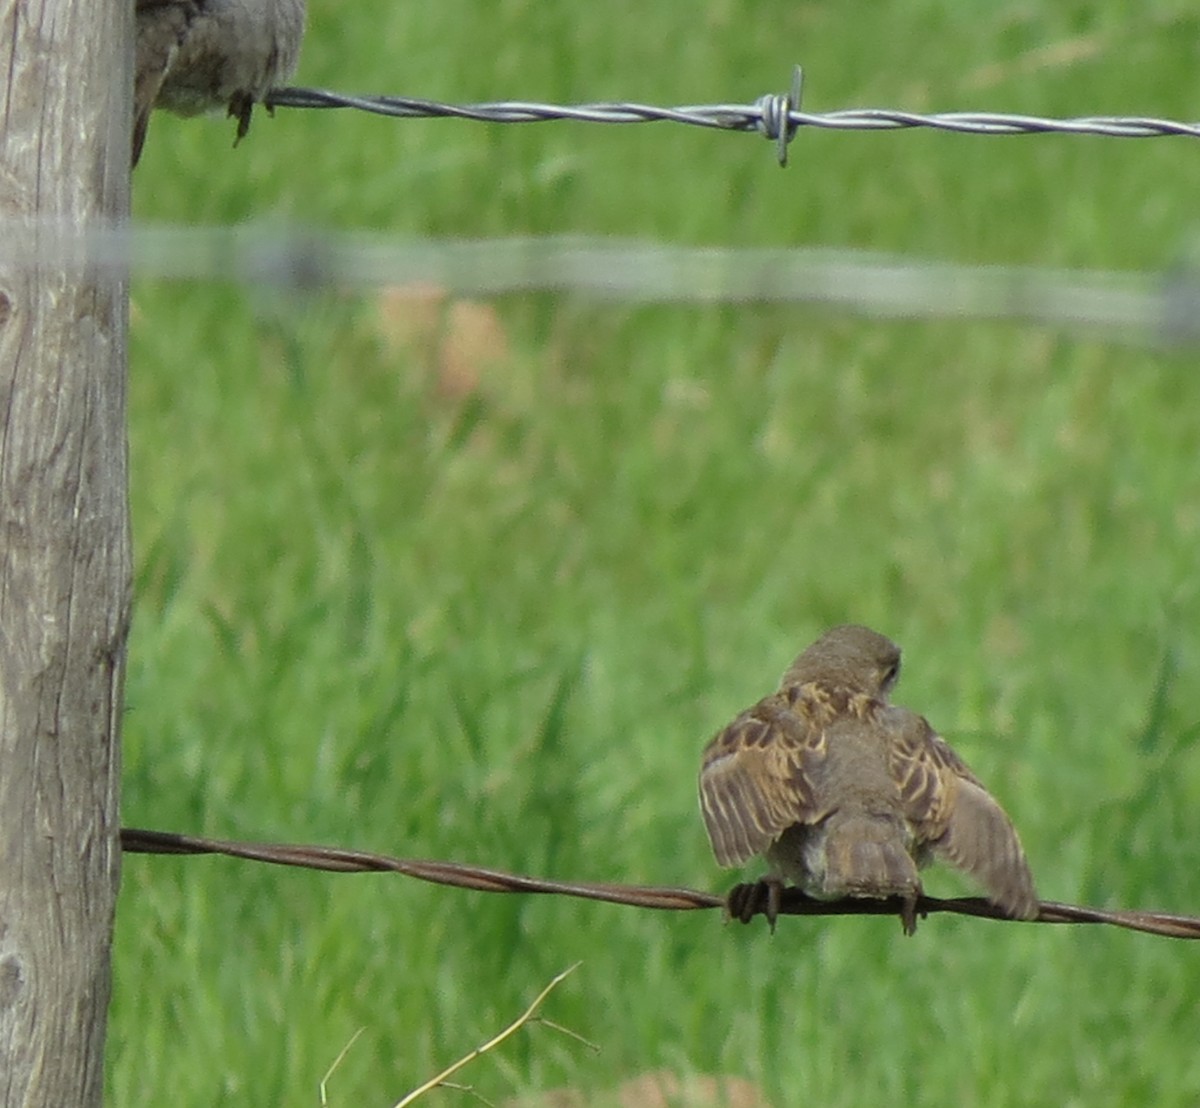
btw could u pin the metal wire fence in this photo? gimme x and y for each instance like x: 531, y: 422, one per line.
x: 1161, y: 308
x: 660, y: 897
x: 776, y: 116
x: 1123, y: 306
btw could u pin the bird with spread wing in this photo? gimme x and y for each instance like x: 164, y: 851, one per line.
x: 847, y: 795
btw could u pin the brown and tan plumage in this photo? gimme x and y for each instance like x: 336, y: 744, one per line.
x: 845, y: 794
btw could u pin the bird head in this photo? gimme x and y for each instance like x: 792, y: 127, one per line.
x: 851, y: 657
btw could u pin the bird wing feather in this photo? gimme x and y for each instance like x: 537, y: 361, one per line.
x: 956, y: 818
x: 755, y: 779
x: 161, y: 28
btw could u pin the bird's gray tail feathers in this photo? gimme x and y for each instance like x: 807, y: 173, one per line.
x: 866, y: 856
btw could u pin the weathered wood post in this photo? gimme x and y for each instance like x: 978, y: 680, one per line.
x: 64, y: 538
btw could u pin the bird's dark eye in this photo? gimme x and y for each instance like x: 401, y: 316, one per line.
x: 890, y: 674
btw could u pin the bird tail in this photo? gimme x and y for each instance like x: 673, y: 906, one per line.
x: 867, y: 856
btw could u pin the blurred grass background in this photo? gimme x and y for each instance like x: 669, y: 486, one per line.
x: 478, y: 581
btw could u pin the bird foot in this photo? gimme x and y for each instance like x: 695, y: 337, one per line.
x: 751, y: 898
x: 241, y: 108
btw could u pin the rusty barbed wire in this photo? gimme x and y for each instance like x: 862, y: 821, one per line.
x: 659, y: 897
x: 776, y: 116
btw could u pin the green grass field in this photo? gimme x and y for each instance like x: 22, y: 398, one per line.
x: 479, y: 586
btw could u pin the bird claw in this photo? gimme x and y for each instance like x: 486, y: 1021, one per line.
x: 241, y: 108
x: 765, y: 897
x: 747, y: 900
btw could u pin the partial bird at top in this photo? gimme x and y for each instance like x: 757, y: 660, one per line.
x: 197, y: 56
x: 846, y: 795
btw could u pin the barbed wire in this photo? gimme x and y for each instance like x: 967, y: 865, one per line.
x: 776, y: 116
x: 660, y: 897
x: 1128, y: 306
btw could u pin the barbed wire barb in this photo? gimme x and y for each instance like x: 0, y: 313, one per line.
x: 776, y: 116
x: 660, y: 897
x: 777, y: 112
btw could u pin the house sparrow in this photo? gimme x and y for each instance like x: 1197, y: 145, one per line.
x: 846, y: 795
x: 194, y: 56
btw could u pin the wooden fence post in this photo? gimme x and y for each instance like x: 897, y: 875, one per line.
x: 64, y: 538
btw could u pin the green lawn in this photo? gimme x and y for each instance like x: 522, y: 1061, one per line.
x: 482, y: 592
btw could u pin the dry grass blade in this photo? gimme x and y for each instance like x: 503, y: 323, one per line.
x: 337, y: 1062
x: 493, y: 1042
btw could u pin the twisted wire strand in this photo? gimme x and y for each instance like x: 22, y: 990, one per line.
x: 1140, y: 308
x: 775, y: 116
x: 735, y: 117
x: 662, y: 898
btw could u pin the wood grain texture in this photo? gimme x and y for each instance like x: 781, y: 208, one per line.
x: 64, y: 544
